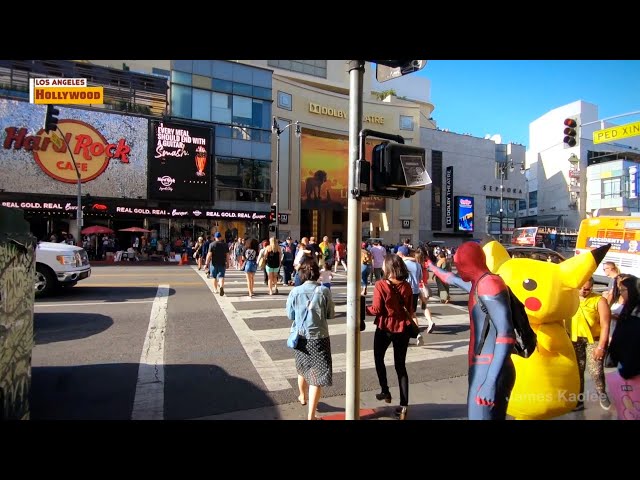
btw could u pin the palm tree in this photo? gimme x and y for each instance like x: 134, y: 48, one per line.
x: 384, y: 94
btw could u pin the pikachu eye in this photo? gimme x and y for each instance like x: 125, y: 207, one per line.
x: 529, y: 284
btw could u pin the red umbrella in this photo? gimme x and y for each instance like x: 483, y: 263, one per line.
x: 96, y: 229
x: 134, y: 229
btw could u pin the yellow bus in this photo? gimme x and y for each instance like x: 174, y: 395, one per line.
x: 623, y: 233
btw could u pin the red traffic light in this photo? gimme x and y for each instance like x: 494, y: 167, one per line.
x: 570, y: 132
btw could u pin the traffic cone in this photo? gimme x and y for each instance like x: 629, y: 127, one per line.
x: 183, y: 260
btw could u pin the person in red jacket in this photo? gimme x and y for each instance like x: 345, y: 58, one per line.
x: 393, y: 308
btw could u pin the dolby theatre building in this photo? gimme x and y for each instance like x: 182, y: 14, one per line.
x: 313, y: 179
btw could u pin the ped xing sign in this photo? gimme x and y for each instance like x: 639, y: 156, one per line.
x: 616, y: 133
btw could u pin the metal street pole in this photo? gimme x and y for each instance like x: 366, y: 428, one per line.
x: 79, y: 217
x: 275, y: 128
x: 277, y: 185
x: 501, y: 199
x: 354, y: 232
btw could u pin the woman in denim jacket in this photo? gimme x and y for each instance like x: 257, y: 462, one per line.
x: 311, y: 305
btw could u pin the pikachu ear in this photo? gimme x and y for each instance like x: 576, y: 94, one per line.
x: 578, y: 269
x: 496, y: 255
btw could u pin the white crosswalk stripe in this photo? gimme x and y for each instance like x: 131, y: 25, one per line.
x: 275, y: 373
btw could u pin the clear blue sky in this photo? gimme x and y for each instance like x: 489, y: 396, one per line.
x: 483, y: 97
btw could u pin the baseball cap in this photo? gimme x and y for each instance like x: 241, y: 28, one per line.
x: 218, y: 235
x: 404, y: 250
x: 289, y: 238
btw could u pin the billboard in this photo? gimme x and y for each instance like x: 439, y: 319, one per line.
x: 324, y: 172
x: 180, y: 162
x: 109, y: 149
x: 463, y: 214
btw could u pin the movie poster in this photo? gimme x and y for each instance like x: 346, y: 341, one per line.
x: 324, y: 172
x: 464, y: 213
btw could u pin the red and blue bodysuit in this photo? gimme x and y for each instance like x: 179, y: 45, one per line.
x: 491, y: 371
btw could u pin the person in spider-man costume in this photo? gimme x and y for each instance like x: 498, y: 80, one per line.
x: 491, y: 371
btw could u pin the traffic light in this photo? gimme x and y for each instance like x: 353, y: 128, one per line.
x: 51, y: 120
x: 571, y: 132
x: 272, y: 213
x: 398, y: 170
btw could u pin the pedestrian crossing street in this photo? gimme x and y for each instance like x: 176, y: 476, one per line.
x: 261, y: 325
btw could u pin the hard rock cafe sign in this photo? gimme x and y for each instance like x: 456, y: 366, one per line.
x: 91, y: 151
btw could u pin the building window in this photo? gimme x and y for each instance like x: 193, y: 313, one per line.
x: 243, y: 179
x: 201, y: 105
x: 181, y: 78
x: 612, y: 187
x: 317, y: 68
x: 181, y: 101
x: 221, y: 107
x: 533, y: 199
x: 406, y: 122
x: 285, y: 101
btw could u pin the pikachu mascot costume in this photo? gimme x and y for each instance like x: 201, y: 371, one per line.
x: 547, y: 383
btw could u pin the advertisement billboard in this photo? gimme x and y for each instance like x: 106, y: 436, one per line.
x: 463, y: 213
x: 180, y: 162
x: 324, y: 172
x: 109, y: 149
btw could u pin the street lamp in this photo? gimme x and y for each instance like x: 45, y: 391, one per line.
x: 503, y: 171
x: 275, y: 128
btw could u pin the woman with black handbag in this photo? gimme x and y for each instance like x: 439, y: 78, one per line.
x: 393, y: 308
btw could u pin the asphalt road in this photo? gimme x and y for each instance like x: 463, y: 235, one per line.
x: 154, y: 342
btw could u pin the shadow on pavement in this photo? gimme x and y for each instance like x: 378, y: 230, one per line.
x: 106, y: 294
x: 65, y: 326
x: 107, y: 392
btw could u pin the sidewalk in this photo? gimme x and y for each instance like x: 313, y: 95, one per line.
x: 435, y: 400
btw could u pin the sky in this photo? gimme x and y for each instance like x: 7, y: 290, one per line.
x: 488, y: 97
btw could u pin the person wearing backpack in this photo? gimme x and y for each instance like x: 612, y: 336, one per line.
x: 491, y: 371
x: 288, y: 255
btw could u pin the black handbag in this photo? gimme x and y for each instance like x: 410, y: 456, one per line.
x: 412, y: 327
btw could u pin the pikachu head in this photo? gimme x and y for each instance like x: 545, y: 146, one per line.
x: 548, y: 290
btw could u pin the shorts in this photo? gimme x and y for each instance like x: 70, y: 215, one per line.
x: 217, y: 271
x: 250, y: 266
x: 272, y: 269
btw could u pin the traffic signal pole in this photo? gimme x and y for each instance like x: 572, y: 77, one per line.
x: 354, y: 237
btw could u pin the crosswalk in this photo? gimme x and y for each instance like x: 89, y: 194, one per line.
x: 259, y: 342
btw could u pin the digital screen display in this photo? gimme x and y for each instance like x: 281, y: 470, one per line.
x: 180, y: 158
x: 464, y: 214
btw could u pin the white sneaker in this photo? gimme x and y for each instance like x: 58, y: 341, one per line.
x: 430, y: 327
x: 419, y: 340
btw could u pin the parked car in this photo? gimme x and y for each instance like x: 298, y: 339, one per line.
x: 59, y: 265
x: 536, y: 253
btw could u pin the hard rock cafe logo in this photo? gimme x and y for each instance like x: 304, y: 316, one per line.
x: 166, y: 181
x: 90, y: 150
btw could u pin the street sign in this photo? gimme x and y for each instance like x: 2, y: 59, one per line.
x: 616, y: 133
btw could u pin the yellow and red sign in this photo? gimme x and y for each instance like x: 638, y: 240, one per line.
x: 64, y: 91
x: 91, y: 151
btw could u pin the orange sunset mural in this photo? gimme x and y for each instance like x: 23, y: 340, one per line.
x: 324, y: 172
